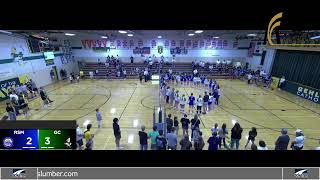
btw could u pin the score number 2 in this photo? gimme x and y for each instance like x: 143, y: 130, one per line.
x: 29, y: 141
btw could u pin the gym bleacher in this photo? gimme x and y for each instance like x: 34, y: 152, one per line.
x: 219, y: 70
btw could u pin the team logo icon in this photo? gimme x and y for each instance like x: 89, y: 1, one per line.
x: 301, y: 173
x: 8, y: 142
x: 18, y: 173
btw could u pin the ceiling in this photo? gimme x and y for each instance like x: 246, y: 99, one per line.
x: 146, y: 34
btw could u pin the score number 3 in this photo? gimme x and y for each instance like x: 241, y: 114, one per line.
x: 47, y: 140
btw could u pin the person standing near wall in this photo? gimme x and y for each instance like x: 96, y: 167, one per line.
x: 52, y: 75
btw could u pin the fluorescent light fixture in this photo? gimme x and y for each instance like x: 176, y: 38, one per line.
x: 5, y: 32
x: 130, y: 139
x: 130, y: 35
x: 216, y: 37
x: 135, y: 123
x: 85, y: 124
x: 113, y: 110
x: 252, y: 35
x: 104, y: 37
x: 159, y: 37
x: 198, y: 31
x: 123, y: 32
x: 315, y: 37
x: 191, y: 34
x: 69, y: 34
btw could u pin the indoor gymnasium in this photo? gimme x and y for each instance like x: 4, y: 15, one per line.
x: 166, y: 89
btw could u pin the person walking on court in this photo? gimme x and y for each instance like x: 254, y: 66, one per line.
x: 185, y: 143
x: 143, y: 139
x: 89, y: 144
x: 99, y: 117
x: 252, y: 136
x: 185, y: 125
x: 176, y: 124
x: 117, y: 133
x: 199, y: 105
x: 153, y: 135
x: 236, y: 132
x: 282, y: 141
x: 172, y: 139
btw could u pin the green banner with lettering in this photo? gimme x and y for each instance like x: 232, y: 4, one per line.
x: 303, y: 91
x: 4, y: 85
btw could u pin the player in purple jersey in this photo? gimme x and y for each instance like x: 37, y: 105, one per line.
x: 191, y: 103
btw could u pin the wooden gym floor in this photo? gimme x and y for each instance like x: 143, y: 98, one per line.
x: 132, y: 103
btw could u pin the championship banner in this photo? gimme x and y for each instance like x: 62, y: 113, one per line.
x: 144, y: 50
x: 153, y: 43
x: 214, y: 44
x: 188, y: 43
x: 125, y: 44
x: 118, y: 44
x: 305, y: 92
x: 112, y: 44
x: 166, y: 43
x: 140, y: 43
x: 201, y: 43
x: 219, y: 45
x: 235, y: 44
x: 195, y: 44
x: 131, y: 43
x: 181, y: 43
x: 225, y: 43
x: 101, y: 49
x: 4, y: 85
x: 275, y: 82
x: 173, y: 43
x: 208, y: 43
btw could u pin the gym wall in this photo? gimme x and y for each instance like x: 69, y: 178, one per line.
x: 33, y: 65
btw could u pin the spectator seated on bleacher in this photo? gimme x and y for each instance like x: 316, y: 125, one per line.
x: 210, y: 67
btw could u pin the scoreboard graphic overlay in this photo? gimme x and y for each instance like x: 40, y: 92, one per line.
x: 37, y: 135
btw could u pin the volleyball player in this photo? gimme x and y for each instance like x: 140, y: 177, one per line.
x: 182, y: 103
x: 176, y: 100
x: 210, y: 102
x: 199, y: 104
x: 191, y: 103
x: 172, y: 97
x: 168, y: 92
